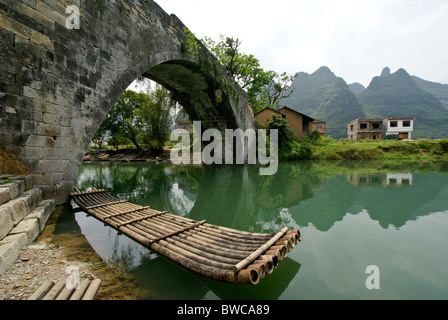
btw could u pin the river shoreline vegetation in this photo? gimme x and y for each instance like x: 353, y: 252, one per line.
x: 326, y: 148
x: 318, y: 148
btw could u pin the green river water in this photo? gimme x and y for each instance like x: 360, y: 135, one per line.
x: 351, y: 216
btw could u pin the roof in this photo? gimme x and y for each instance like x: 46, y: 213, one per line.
x: 270, y: 109
x: 299, y: 113
x: 279, y: 112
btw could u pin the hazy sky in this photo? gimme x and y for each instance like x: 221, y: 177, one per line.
x: 356, y: 39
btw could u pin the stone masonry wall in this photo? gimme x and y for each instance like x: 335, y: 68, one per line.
x: 57, y: 84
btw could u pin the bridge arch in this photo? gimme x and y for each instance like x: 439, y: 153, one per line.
x: 57, y: 84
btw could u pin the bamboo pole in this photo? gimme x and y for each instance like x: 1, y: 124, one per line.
x: 258, y: 252
x: 42, y: 290
x: 55, y: 290
x: 92, y: 290
x: 77, y: 295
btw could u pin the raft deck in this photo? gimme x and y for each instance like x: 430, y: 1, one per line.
x: 216, y: 252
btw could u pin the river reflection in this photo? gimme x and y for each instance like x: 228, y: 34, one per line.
x: 345, y: 212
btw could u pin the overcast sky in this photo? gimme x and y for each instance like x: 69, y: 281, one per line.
x: 356, y: 39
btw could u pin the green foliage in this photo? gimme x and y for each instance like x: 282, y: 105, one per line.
x: 264, y: 88
x: 155, y: 117
x: 117, y: 141
x: 443, y: 146
x: 190, y: 45
x: 139, y: 118
x: 122, y: 121
x: 314, y: 137
x: 285, y: 134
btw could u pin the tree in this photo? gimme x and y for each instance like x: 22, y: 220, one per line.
x: 124, y: 122
x: 155, y: 117
x: 285, y: 134
x: 264, y: 88
x: 101, y: 134
x: 279, y: 88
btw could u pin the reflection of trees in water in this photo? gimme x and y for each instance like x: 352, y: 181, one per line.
x: 238, y: 197
x: 160, y: 185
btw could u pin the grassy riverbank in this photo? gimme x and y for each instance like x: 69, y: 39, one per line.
x: 329, y: 149
x: 316, y: 149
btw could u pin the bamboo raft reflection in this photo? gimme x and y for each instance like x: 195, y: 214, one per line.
x: 216, y: 252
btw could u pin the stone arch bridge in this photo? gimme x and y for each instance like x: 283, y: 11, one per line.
x: 57, y: 83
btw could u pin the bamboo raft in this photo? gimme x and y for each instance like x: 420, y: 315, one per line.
x: 216, y: 252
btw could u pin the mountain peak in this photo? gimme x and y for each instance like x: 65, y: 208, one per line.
x: 323, y: 70
x: 399, y: 78
x: 402, y: 72
x: 385, y: 72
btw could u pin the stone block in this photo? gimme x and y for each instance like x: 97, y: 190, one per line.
x: 10, y: 248
x: 54, y: 166
x: 28, y: 9
x: 51, y: 13
x: 32, y: 198
x: 41, y: 39
x: 4, y: 195
x: 48, y: 130
x: 6, y: 223
x: 32, y: 153
x: 30, y: 228
x: 15, y: 188
x: 42, y: 213
x: 14, y: 26
x: 50, y: 118
x: 17, y: 208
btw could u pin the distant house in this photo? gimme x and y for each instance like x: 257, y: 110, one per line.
x: 183, y: 122
x: 380, y: 129
x: 185, y: 125
x: 302, y: 125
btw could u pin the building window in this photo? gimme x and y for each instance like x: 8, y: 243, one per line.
x: 394, y: 124
x: 407, y: 124
x: 363, y: 126
x: 351, y: 128
x: 319, y: 127
x: 375, y: 126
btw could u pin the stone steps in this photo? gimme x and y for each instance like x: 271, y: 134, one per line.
x: 23, y: 215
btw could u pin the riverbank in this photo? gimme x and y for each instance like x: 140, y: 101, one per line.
x: 320, y: 149
x: 328, y: 149
x: 47, y: 258
x: 125, y: 155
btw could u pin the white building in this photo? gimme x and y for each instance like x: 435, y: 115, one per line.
x: 399, y: 127
x: 380, y: 129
